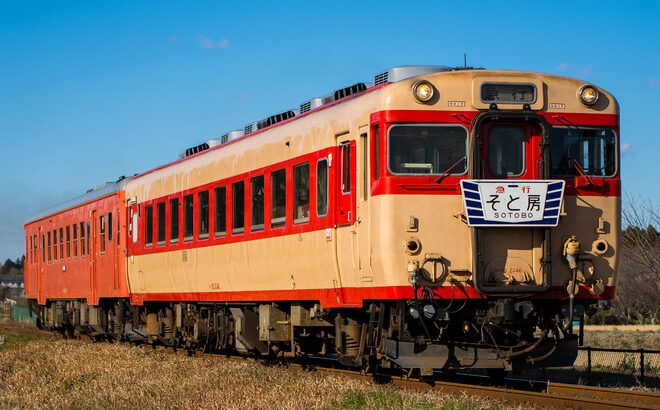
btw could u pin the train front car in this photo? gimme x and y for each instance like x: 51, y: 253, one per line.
x: 497, y: 197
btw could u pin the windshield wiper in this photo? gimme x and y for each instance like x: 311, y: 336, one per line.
x: 444, y: 174
x: 579, y: 168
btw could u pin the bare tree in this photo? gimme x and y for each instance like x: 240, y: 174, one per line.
x: 638, y: 285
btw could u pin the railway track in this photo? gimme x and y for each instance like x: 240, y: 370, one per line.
x: 536, y: 393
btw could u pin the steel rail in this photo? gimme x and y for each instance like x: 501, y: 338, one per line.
x: 556, y: 395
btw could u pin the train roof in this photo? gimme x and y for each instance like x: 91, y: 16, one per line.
x: 92, y: 194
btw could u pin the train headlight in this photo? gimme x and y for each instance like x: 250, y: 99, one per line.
x: 423, y: 91
x: 588, y: 95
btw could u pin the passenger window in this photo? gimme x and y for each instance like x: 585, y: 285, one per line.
x: 346, y: 168
x: 89, y: 236
x: 49, y: 248
x: 257, y: 211
x: 43, y: 248
x: 148, y: 225
x: 322, y: 187
x: 203, y: 228
x: 238, y: 208
x: 376, y: 131
x: 188, y: 210
x: 68, y: 242
x: 75, y: 241
x: 174, y: 220
x: 301, y: 193
x: 82, y: 239
x: 102, y: 233
x: 220, y: 211
x: 109, y: 226
x: 61, y: 244
x: 55, y: 245
x: 160, y: 223
x: 278, y: 195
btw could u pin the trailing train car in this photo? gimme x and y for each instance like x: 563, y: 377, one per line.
x: 76, y: 256
x: 435, y: 218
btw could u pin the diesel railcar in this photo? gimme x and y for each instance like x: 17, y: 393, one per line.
x: 436, y: 217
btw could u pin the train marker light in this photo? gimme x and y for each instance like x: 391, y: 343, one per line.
x: 423, y: 91
x: 588, y: 95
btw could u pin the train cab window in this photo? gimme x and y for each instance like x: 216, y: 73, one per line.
x: 238, y: 208
x: 577, y: 151
x: 109, y: 227
x: 68, y: 242
x: 75, y: 241
x: 301, y: 193
x: 203, y: 222
x: 427, y: 149
x: 102, y: 233
x: 55, y: 245
x: 82, y: 239
x: 278, y: 198
x: 43, y: 248
x: 148, y: 225
x: 61, y: 244
x: 89, y: 235
x: 160, y: 223
x: 322, y: 187
x: 257, y: 210
x: 506, y: 151
x: 174, y: 220
x: 188, y: 211
x: 220, y: 211
x: 346, y: 168
x: 49, y: 249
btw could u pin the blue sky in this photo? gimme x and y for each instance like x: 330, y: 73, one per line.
x: 90, y: 91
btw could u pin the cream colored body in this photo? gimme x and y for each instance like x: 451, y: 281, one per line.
x: 369, y: 253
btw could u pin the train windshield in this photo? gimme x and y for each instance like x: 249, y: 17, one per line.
x: 427, y: 149
x: 578, y: 151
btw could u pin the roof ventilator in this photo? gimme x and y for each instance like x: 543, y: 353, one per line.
x: 311, y: 104
x: 274, y: 119
x: 201, y: 147
x: 395, y: 74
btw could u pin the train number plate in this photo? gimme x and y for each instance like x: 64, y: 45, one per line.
x: 512, y: 202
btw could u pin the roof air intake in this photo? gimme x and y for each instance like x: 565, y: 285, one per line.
x: 311, y: 104
x: 407, y: 71
x: 274, y: 119
x: 201, y: 147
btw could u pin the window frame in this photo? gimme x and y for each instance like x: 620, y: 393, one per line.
x: 303, y: 219
x: 234, y: 229
x: 161, y: 225
x: 175, y: 221
x: 257, y: 226
x: 186, y: 217
x: 327, y: 186
x: 617, y: 160
x: 280, y: 221
x: 450, y: 174
x: 148, y: 225
x: 218, y: 218
x: 200, y: 233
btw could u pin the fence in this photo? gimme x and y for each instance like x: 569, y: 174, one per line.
x: 22, y: 314
x: 640, y: 364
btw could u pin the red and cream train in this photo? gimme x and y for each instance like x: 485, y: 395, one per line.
x: 435, y: 218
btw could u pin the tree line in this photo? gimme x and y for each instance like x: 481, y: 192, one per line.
x: 12, y: 268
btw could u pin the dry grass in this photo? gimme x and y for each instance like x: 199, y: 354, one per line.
x: 74, y: 374
x: 621, y: 337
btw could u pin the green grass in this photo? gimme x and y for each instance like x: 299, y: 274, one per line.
x: 15, y: 341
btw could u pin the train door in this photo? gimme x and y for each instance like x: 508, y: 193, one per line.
x: 511, y: 255
x: 344, y: 193
x: 40, y: 264
x: 94, y: 254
